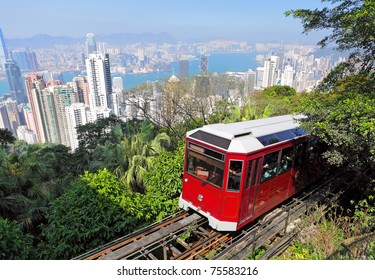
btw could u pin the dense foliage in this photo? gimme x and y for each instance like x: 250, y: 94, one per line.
x: 14, y: 244
x: 6, y: 137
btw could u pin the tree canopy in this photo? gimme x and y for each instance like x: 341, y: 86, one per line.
x: 6, y: 137
x: 352, y: 27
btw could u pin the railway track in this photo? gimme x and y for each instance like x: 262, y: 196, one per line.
x: 187, y: 236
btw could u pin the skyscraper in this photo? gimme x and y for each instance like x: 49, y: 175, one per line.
x: 184, y: 69
x: 287, y: 77
x: 15, y: 81
x: 3, y: 51
x: 99, y: 79
x: 21, y: 57
x: 90, y: 44
x: 270, y: 71
x: 204, y: 65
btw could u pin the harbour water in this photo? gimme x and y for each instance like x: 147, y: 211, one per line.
x: 220, y: 62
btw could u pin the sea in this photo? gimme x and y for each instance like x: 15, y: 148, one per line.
x: 217, y: 62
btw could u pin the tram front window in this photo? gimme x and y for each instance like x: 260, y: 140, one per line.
x: 206, y: 168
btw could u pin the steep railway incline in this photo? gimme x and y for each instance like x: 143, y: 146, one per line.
x: 187, y: 235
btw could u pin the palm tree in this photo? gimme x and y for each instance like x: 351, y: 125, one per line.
x: 142, y: 154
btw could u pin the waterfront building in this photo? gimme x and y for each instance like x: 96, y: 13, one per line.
x: 118, y: 82
x: 184, y: 69
x: 15, y: 81
x: 100, y: 83
x: 3, y: 51
x: 204, y: 65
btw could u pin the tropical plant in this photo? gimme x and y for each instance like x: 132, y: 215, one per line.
x: 14, y: 244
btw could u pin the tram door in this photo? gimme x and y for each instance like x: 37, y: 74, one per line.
x: 250, y: 189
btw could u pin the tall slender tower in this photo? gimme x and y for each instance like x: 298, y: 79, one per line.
x: 15, y: 81
x: 90, y: 44
x: 204, y: 65
x: 3, y: 51
x: 100, y: 83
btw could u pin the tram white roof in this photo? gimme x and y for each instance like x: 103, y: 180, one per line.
x: 248, y: 136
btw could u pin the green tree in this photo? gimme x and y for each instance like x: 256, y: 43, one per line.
x: 163, y: 183
x: 14, y: 244
x: 6, y: 137
x: 352, y: 28
x: 345, y: 120
x: 272, y: 101
x: 94, y: 211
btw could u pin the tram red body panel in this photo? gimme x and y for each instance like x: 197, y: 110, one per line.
x: 234, y: 173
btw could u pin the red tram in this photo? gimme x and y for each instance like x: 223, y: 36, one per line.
x: 233, y: 173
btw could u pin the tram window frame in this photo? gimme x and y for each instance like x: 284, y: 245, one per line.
x: 270, y: 166
x: 229, y: 187
x: 252, y: 172
x: 208, y: 157
x: 286, y: 160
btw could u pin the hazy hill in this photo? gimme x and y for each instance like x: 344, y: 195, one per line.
x: 120, y: 39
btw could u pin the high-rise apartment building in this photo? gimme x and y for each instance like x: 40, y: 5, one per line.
x: 100, y: 83
x: 77, y: 114
x: 29, y: 119
x: 90, y: 44
x: 287, y: 78
x: 10, y: 115
x: 260, y: 76
x: 3, y: 51
x: 34, y: 85
x: 63, y: 96
x: 270, y: 75
x: 15, y: 81
x: 250, y: 78
x: 81, y: 87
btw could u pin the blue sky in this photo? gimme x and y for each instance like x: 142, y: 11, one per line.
x: 250, y: 20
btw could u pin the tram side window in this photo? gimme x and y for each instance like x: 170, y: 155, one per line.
x: 234, y: 178
x: 269, y: 166
x: 286, y: 161
x: 205, y: 168
x: 252, y: 167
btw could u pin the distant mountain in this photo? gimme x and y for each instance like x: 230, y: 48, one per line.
x: 131, y: 38
x: 119, y: 39
x: 42, y: 41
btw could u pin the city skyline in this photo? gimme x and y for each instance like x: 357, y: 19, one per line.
x: 253, y: 21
